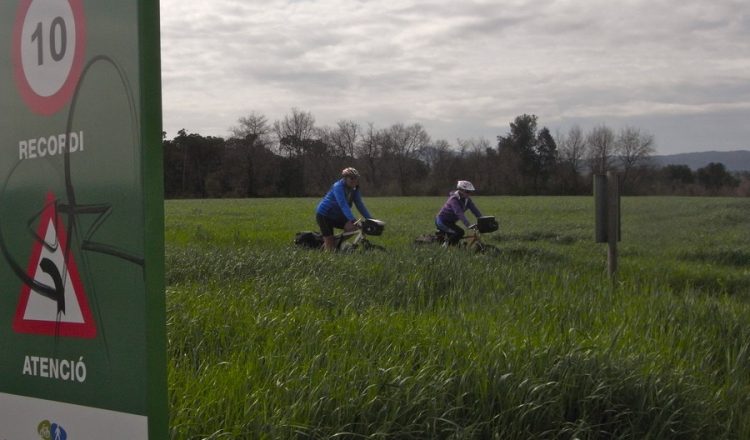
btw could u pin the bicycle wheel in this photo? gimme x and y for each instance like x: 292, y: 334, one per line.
x: 347, y: 247
x: 483, y: 248
x: 366, y: 245
x: 490, y: 249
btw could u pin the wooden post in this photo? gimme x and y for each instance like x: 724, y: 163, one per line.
x: 600, y: 208
x: 613, y: 221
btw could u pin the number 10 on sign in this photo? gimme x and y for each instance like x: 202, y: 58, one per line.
x: 48, y: 50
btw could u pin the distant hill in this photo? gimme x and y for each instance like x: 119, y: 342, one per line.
x: 732, y: 160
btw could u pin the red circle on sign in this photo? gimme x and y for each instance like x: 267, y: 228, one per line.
x: 48, y: 105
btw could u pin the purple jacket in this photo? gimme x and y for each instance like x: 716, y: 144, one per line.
x: 455, y: 207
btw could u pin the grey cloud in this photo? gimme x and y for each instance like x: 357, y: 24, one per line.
x: 679, y: 133
x: 299, y: 78
x: 464, y: 67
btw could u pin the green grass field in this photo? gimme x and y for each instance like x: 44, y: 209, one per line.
x: 267, y: 341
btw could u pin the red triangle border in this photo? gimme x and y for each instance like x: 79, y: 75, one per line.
x: 86, y: 329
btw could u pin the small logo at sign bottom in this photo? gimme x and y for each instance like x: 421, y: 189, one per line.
x: 51, y: 431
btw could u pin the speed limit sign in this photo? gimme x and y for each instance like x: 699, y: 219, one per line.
x: 81, y: 229
x: 49, y: 38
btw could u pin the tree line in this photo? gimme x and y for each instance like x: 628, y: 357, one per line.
x: 292, y: 157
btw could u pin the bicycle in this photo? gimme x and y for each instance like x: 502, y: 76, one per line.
x: 352, y: 240
x: 347, y: 241
x: 472, y: 242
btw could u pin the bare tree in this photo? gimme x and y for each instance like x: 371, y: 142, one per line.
x: 474, y: 145
x: 342, y: 138
x: 475, y: 166
x: 294, y: 132
x: 250, y: 165
x: 439, y: 158
x: 572, y: 148
x: 633, y: 149
x: 254, y: 124
x: 404, y: 144
x: 601, y: 147
x: 572, y: 152
x: 297, y: 139
x: 431, y: 154
x: 369, y: 151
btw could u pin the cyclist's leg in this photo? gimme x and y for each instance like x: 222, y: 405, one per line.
x: 326, y: 230
x: 348, y: 227
x: 458, y: 235
x: 454, y: 232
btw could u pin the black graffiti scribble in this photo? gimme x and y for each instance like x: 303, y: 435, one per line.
x: 101, y: 210
x: 50, y: 268
x: 72, y: 209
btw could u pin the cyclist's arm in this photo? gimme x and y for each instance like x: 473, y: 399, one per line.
x: 457, y: 209
x: 340, y: 194
x: 474, y: 209
x: 361, y: 205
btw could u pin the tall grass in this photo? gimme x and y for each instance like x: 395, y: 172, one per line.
x: 269, y: 341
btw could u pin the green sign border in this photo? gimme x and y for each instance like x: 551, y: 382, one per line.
x: 153, y: 187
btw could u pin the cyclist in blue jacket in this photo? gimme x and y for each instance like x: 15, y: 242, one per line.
x: 334, y: 210
x: 454, y: 210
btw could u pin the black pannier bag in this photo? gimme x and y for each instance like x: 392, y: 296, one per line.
x: 373, y: 227
x: 427, y: 239
x: 487, y: 223
x: 308, y: 239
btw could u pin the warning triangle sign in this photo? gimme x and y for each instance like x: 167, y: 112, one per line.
x: 52, y: 300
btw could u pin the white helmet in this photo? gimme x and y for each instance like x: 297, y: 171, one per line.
x: 465, y: 185
x: 349, y: 172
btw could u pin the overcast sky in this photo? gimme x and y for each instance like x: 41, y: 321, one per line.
x: 677, y: 69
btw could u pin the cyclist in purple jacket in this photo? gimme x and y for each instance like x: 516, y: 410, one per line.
x: 334, y: 210
x: 454, y: 210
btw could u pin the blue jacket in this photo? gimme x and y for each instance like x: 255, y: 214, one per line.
x: 336, y: 204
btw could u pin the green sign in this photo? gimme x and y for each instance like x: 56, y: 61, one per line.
x: 82, y: 327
